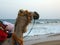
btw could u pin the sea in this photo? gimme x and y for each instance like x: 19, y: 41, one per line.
x: 41, y: 26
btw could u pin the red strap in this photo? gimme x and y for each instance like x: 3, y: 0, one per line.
x: 3, y: 36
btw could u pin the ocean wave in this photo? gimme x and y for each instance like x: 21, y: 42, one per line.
x: 46, y: 22
x: 40, y: 21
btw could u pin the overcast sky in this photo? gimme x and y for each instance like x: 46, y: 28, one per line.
x: 47, y: 9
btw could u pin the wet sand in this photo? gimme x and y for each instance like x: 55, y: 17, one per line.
x: 48, y: 39
x: 56, y: 42
x: 53, y: 39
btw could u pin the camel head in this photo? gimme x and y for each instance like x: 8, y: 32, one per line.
x: 29, y: 15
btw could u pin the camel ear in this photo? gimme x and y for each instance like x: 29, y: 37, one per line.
x: 21, y: 11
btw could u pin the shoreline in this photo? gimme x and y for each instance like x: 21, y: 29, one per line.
x: 42, y: 40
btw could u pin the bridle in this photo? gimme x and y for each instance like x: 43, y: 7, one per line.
x: 30, y: 29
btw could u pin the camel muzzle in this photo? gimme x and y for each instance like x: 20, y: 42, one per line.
x: 36, y: 16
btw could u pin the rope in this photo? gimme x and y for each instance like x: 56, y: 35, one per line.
x: 30, y: 29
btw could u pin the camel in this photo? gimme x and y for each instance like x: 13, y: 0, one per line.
x: 23, y: 19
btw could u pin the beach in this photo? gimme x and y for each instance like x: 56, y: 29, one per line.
x: 52, y: 39
x: 47, y: 39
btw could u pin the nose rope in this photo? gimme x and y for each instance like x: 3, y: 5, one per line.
x: 33, y: 22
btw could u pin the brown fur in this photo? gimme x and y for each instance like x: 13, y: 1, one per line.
x: 23, y: 19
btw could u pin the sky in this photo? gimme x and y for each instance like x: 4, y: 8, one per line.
x: 47, y: 9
